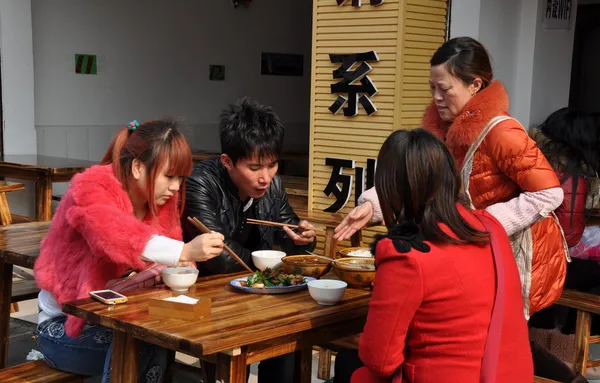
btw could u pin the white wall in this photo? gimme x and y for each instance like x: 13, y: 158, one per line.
x: 533, y: 63
x: 499, y: 33
x: 17, y: 77
x: 17, y: 92
x: 552, y: 62
x: 464, y: 18
x: 154, y: 57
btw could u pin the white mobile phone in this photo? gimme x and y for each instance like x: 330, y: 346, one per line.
x: 108, y: 297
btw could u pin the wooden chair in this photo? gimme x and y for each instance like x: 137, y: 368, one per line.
x: 6, y: 218
x: 37, y: 372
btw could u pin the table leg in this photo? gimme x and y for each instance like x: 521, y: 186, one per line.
x: 231, y: 369
x: 43, y: 198
x: 5, y: 297
x: 303, y: 366
x: 125, y: 358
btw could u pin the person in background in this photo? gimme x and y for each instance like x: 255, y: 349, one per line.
x: 568, y: 138
x: 119, y: 215
x: 502, y: 169
x: 241, y: 184
x: 436, y: 278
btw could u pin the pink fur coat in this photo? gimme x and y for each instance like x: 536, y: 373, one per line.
x: 95, y: 237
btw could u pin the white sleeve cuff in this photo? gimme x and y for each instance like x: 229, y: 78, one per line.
x: 163, y: 250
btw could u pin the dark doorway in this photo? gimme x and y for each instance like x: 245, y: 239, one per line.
x: 585, y: 77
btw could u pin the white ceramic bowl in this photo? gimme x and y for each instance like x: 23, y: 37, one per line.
x: 179, y: 278
x: 267, y: 258
x: 327, y: 292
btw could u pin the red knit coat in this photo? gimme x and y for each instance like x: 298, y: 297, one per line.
x: 95, y: 237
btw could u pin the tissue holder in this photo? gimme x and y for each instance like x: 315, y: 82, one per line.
x: 159, y: 307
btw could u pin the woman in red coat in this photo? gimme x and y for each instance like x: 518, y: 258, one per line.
x: 435, y: 287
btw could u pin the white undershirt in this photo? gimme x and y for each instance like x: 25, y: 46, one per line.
x: 159, y: 249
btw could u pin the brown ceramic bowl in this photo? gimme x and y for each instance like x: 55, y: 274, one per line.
x: 307, y: 265
x: 353, y: 274
x: 343, y: 253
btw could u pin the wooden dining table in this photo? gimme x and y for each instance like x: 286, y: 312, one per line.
x: 241, y: 329
x: 44, y: 171
x: 19, y: 246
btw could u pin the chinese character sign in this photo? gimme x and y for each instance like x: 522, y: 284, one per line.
x: 358, y: 3
x: 342, y: 193
x: 348, y: 83
x: 557, y: 14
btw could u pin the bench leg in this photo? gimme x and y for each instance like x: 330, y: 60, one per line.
x: 328, y: 248
x: 324, y: 364
x: 582, y: 335
x: 6, y: 271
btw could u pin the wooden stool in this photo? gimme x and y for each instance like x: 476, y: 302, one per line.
x: 5, y: 187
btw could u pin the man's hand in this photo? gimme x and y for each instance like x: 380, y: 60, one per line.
x: 306, y: 234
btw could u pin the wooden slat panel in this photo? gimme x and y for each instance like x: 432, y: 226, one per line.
x: 405, y: 34
x: 356, y: 29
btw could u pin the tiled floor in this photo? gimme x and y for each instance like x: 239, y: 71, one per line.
x: 28, y: 312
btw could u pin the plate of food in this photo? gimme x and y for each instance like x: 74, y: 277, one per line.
x: 276, y: 281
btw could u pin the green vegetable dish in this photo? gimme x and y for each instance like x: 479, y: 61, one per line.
x: 272, y: 278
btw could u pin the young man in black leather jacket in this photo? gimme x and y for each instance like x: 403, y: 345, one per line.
x: 243, y: 183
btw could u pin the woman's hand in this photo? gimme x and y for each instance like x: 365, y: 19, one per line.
x: 358, y: 218
x: 202, y: 248
x: 306, y: 234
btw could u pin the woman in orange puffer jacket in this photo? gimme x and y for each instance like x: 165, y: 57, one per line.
x: 503, y: 171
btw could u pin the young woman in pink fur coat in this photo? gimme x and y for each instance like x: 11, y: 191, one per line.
x: 122, y: 214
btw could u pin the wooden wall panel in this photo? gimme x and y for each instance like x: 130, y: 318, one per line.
x: 404, y: 33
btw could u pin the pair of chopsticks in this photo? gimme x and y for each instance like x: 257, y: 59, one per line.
x: 200, y: 226
x: 252, y: 221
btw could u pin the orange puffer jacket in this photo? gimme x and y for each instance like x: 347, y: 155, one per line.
x: 507, y: 162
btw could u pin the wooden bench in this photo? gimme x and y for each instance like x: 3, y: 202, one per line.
x: 297, y: 191
x: 586, y: 306
x: 37, y: 372
x: 24, y: 290
x: 286, y: 156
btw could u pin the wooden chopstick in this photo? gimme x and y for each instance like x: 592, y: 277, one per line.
x: 253, y: 221
x: 200, y: 226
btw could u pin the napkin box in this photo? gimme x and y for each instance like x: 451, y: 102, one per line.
x: 186, y: 311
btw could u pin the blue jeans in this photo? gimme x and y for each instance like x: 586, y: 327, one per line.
x: 90, y: 353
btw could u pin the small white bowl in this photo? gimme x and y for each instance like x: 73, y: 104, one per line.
x: 267, y: 258
x: 179, y: 278
x: 327, y: 292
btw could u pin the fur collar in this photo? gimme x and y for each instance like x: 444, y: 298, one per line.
x: 458, y: 136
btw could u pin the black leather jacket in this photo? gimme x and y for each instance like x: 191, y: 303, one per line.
x: 212, y: 197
